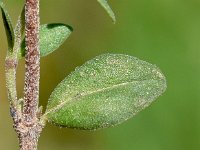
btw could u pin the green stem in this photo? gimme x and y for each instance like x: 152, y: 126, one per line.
x: 11, y: 63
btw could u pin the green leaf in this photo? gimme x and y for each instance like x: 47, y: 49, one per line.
x: 8, y: 26
x: 108, y: 9
x: 105, y: 91
x: 51, y: 37
x: 20, y: 27
x: 19, y: 30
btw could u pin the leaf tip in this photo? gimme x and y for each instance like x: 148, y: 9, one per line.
x: 70, y: 28
x: 108, y: 9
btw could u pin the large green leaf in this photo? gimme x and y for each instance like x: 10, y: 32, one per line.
x: 105, y: 91
x: 108, y: 9
x: 51, y: 37
x: 8, y: 26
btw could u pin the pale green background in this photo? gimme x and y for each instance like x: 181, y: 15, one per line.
x: 163, y: 32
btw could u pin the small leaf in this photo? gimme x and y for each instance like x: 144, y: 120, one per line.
x: 51, y: 37
x: 106, y: 6
x: 105, y: 91
x: 8, y: 26
x: 19, y: 30
x: 20, y: 27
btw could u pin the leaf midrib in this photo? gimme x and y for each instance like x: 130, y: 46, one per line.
x: 92, y: 92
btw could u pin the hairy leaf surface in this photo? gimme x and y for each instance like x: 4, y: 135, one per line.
x: 20, y: 27
x: 105, y: 91
x: 19, y: 31
x: 51, y: 37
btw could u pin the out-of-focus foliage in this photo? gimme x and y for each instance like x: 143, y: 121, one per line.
x: 8, y: 26
x: 166, y: 33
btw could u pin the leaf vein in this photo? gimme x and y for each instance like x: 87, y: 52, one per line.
x: 89, y: 93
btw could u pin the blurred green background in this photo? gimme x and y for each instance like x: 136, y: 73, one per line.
x: 163, y: 32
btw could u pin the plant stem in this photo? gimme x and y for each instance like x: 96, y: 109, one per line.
x: 32, y: 60
x: 28, y: 138
x: 26, y: 120
x: 10, y: 68
x: 11, y: 63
